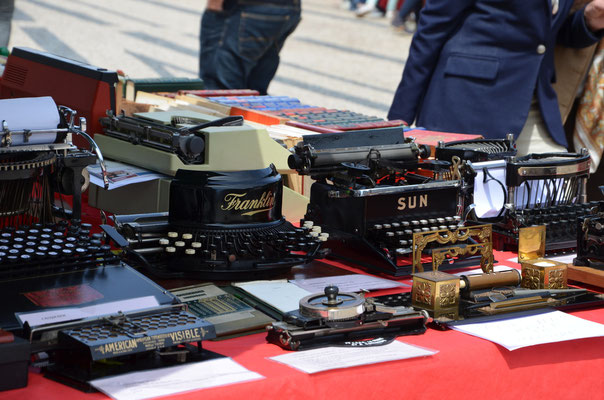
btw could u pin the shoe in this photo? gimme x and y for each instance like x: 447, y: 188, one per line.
x: 364, y: 10
x: 397, y: 21
x: 376, y: 14
x: 390, y: 14
x: 410, y: 26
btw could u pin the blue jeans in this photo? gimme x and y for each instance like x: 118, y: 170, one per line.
x: 240, y: 46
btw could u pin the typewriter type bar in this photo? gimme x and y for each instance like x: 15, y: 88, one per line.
x: 477, y: 150
x: 546, y: 189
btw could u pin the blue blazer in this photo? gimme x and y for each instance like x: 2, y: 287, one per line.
x: 474, y: 65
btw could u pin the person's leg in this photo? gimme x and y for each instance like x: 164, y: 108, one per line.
x: 210, y: 38
x: 366, y: 8
x: 262, y: 34
x: 7, y: 7
x: 408, y: 7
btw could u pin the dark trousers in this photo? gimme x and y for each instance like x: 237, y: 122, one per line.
x: 6, y: 15
x: 240, y: 46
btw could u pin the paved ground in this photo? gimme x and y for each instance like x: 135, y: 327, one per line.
x: 333, y: 59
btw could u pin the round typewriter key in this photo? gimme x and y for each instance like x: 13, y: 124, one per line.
x: 40, y: 254
x: 80, y: 251
x: 6, y: 235
x: 442, y: 227
x: 95, y: 242
x: 179, y: 243
x: 164, y: 242
x: 432, y: 221
x: 190, y: 252
x: 12, y: 258
x: 196, y: 245
x: 84, y: 232
x: 316, y: 228
x: 415, y: 223
x: 44, y: 243
x: 58, y: 241
x: 18, y: 246
x: 105, y: 248
x: 170, y: 250
x: 71, y: 239
x: 456, y: 218
x: 423, y: 221
x: 377, y: 227
x: 4, y: 242
x: 18, y: 240
x: 440, y: 220
x: 172, y: 235
x: 45, y: 236
x: 25, y: 258
x: 20, y: 233
x: 425, y: 229
x: 449, y: 219
x: 67, y: 252
x: 13, y: 252
x: 56, y: 247
x: 53, y: 254
x: 314, y: 234
x: 387, y: 226
x: 452, y: 227
x: 390, y: 234
x: 29, y: 251
x: 86, y: 226
x: 434, y: 228
x: 70, y: 246
x: 187, y: 236
x: 97, y: 236
x: 324, y: 234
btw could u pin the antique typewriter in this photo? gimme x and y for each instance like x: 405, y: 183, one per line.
x: 373, y: 194
x: 38, y: 160
x: 122, y: 342
x: 335, y: 318
x: 515, y: 192
x: 221, y: 225
x: 168, y: 141
x: 590, y: 238
x: 71, y: 297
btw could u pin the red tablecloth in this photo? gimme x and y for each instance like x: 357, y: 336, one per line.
x: 464, y: 367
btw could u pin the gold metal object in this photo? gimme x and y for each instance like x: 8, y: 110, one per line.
x: 485, y: 249
x: 555, y: 170
x: 537, y: 271
x: 481, y: 234
x: 542, y: 273
x: 531, y: 243
x: 436, y: 292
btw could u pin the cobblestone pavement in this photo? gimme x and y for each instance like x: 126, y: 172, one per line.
x: 333, y: 59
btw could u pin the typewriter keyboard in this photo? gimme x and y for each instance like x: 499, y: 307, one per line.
x: 42, y: 249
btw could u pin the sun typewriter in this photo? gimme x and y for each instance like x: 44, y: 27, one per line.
x: 374, y: 196
x: 516, y: 192
x: 221, y: 225
x: 334, y: 318
x: 38, y: 160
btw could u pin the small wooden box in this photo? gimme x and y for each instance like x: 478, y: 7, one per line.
x: 543, y: 274
x: 436, y: 292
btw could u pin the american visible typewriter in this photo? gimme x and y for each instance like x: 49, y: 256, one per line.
x: 221, y: 225
x: 70, y: 296
x: 373, y: 194
x: 515, y: 192
x: 38, y: 159
x: 334, y: 318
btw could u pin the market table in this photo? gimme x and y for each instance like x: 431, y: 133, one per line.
x: 464, y: 367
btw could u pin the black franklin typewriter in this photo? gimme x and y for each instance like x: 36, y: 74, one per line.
x: 221, y: 225
x: 373, y: 194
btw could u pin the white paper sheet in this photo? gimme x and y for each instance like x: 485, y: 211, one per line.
x: 57, y: 315
x: 496, y: 268
x: 327, y: 358
x: 167, y: 381
x: 281, y: 294
x: 566, y: 258
x: 121, y: 174
x: 550, y: 327
x: 33, y: 113
x: 489, y: 196
x: 347, y: 283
